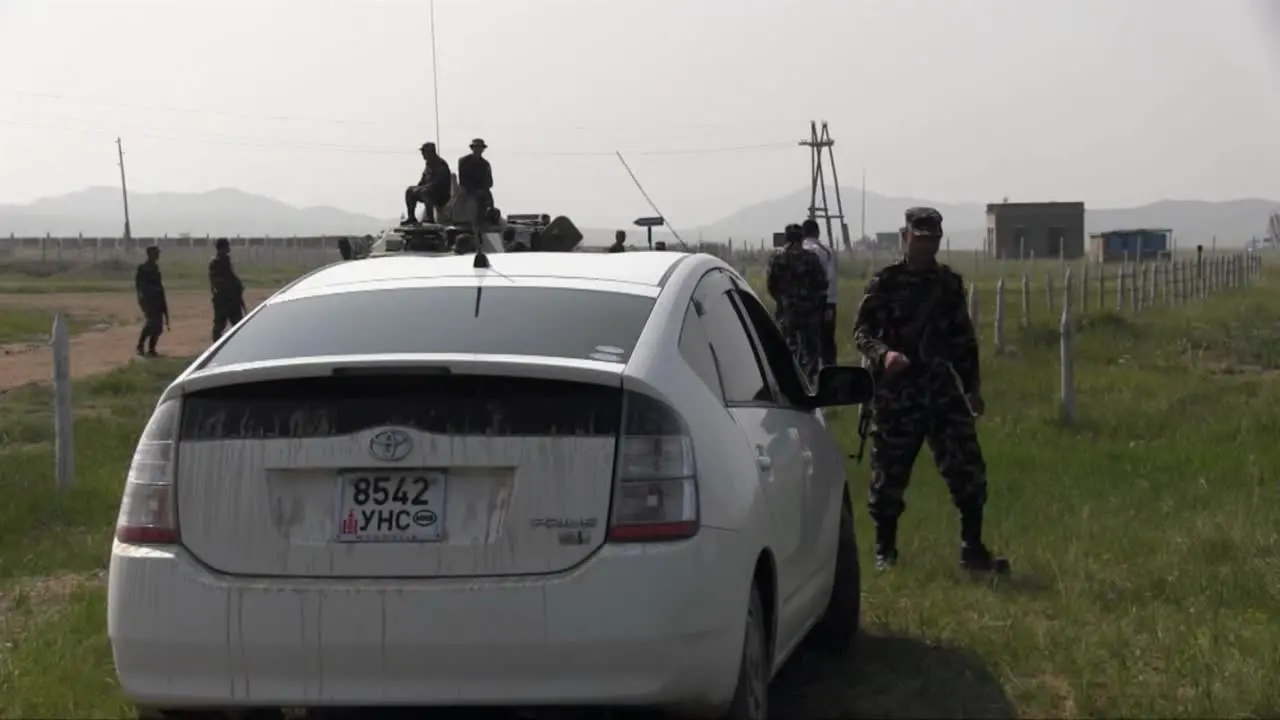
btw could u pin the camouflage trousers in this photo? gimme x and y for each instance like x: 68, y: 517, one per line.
x: 905, y: 416
x: 803, y: 333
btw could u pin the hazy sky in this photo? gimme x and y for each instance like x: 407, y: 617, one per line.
x: 1115, y: 102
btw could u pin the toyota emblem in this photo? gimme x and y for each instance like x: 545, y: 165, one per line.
x: 390, y: 445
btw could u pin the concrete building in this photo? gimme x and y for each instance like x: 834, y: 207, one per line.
x: 1141, y: 244
x: 888, y: 241
x: 1040, y: 230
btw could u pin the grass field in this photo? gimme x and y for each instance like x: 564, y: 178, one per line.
x: 1145, y: 536
x: 29, y: 325
x: 27, y: 277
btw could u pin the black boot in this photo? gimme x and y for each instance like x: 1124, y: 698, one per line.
x: 886, y: 544
x: 974, y: 555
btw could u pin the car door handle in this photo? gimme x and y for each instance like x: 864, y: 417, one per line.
x: 762, y: 458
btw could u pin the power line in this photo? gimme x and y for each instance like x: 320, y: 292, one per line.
x: 202, y: 136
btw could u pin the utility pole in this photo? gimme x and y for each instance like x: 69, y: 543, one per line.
x: 863, y: 231
x: 819, y: 140
x: 124, y: 190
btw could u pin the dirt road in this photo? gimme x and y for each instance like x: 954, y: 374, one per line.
x: 98, y: 351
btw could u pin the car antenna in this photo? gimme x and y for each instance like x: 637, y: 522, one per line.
x: 481, y: 261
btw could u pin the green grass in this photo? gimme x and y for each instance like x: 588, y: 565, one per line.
x: 110, y: 276
x: 1145, y: 536
x: 23, y: 325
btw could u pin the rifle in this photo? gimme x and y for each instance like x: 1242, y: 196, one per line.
x: 864, y: 430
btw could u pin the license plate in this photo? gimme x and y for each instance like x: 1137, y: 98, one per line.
x: 397, y: 507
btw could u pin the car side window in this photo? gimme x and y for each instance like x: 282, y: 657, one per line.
x: 741, y: 376
x: 782, y: 364
x: 695, y: 348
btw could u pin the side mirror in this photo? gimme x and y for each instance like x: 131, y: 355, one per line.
x: 843, y: 385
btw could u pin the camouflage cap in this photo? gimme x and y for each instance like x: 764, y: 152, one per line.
x: 924, y: 221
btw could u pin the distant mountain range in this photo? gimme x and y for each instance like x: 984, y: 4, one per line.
x: 96, y: 212
x: 1234, y: 222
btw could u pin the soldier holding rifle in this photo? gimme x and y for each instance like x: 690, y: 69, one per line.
x: 913, y: 326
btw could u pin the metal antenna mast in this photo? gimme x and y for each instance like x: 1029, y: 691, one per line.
x: 649, y: 200
x: 435, y: 75
x: 819, y: 140
x: 124, y: 190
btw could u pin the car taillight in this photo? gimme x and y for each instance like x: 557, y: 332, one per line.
x: 655, y: 496
x: 147, y: 510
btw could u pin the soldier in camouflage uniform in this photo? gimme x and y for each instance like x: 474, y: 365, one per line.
x: 797, y: 282
x: 913, y: 326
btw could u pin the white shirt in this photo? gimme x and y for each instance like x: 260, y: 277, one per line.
x: 828, y: 258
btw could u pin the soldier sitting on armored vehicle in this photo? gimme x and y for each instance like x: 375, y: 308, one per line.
x: 433, y: 189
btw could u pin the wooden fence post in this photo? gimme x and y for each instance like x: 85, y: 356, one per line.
x: 1066, y: 370
x: 1120, y: 277
x: 999, y: 316
x: 1084, y: 287
x: 1026, y: 300
x: 63, y: 422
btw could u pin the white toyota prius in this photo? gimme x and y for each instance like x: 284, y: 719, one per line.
x: 565, y: 479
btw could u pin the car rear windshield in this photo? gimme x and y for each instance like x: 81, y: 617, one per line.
x: 549, y: 322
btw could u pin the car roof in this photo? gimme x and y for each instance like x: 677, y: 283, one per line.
x: 647, y: 269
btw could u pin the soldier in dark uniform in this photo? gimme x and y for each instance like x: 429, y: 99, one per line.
x: 433, y: 188
x: 152, y: 302
x: 476, y: 177
x: 913, y: 326
x: 226, y: 288
x: 619, y: 242
x: 797, y: 282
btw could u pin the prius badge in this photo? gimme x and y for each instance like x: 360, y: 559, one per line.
x: 390, y: 445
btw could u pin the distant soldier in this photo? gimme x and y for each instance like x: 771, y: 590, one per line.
x: 619, y: 242
x: 913, y: 326
x: 797, y: 283
x: 226, y: 289
x: 152, y: 302
x: 475, y: 177
x: 433, y: 188
x: 827, y: 331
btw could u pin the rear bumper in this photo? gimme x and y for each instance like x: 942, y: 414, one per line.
x: 634, y: 625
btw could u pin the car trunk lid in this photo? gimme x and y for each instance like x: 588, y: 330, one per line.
x: 439, y: 468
